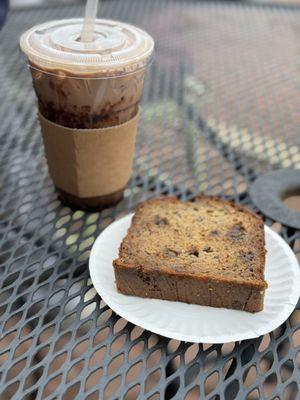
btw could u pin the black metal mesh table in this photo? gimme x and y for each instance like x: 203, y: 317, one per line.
x: 221, y: 106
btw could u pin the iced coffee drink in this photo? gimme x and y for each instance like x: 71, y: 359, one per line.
x: 88, y: 100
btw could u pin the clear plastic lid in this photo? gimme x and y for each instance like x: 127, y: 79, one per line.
x: 117, y: 48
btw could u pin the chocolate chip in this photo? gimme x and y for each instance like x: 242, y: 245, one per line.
x: 160, y: 220
x: 144, y: 277
x: 194, y: 252
x: 208, y: 249
x: 214, y: 233
x: 236, y: 232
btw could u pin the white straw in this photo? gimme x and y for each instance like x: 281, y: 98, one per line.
x: 89, y: 21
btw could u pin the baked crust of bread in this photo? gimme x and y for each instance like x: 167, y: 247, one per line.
x: 208, y: 251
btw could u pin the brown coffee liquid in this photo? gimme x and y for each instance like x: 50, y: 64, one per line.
x: 87, y: 102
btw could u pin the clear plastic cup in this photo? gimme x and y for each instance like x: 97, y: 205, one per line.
x: 87, y: 86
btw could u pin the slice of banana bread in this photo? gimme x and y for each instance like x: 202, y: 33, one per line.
x: 209, y: 252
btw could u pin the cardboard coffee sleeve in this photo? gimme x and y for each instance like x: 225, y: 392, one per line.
x: 89, y: 162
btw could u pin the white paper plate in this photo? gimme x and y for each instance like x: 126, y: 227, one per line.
x: 193, y: 323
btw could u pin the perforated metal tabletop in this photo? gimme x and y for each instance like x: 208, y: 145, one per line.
x: 220, y: 107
